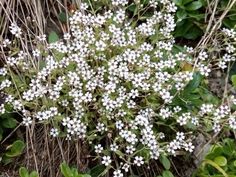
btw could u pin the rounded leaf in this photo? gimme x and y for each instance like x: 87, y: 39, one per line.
x: 165, y: 162
x: 194, y: 6
x: 167, y: 173
x: 23, y: 172
x: 221, y: 161
x: 53, y: 37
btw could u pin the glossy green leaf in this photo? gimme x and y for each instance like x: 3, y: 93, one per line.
x: 53, y: 37
x: 194, y: 33
x: 165, y: 162
x: 182, y: 28
x: 186, y: 1
x: 62, y: 17
x: 34, y: 174
x: 167, y: 173
x: 9, y: 122
x: 178, y: 2
x: 194, y: 6
x: 181, y: 14
x: 85, y: 175
x: 235, y: 163
x: 23, y: 172
x: 198, y: 16
x: 233, y: 79
x: 97, y: 170
x: 15, y: 149
x: 65, y: 170
x: 220, y: 160
x: 194, y: 83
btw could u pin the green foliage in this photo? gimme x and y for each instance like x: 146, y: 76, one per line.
x: 13, y: 151
x: 165, y: 162
x: 97, y: 170
x: 23, y: 172
x: 71, y: 172
x: 220, y: 161
x: 7, y: 121
x: 53, y: 37
x: 191, y: 17
x: 233, y: 79
x: 167, y: 173
x: 62, y: 17
x: 190, y: 24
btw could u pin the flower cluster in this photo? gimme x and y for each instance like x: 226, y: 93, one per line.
x: 112, y: 79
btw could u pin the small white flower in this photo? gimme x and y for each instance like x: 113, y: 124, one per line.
x: 98, y: 148
x: 138, y: 161
x: 106, y: 160
x: 117, y: 173
x: 126, y: 167
x: 15, y: 30
x: 54, y: 132
x: 180, y: 136
x: 114, y: 147
x: 27, y: 121
x: 189, y: 147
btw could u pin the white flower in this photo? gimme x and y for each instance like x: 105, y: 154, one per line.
x: 232, y: 122
x: 2, y: 109
x: 114, y: 147
x: 189, y: 147
x: 15, y: 30
x: 117, y: 173
x: 106, y: 160
x: 130, y: 149
x: 204, y: 70
x: 98, y: 148
x: 126, y: 167
x: 180, y: 136
x: 27, y: 121
x: 54, y: 132
x: 100, y: 45
x: 138, y: 161
x: 6, y: 42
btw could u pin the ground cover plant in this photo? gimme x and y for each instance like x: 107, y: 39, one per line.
x: 114, y: 94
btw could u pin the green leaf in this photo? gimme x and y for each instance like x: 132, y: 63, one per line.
x: 187, y: 1
x: 220, y: 160
x: 165, y: 162
x: 62, y: 17
x: 23, y: 172
x: 197, y: 16
x: 65, y: 170
x: 194, y: 6
x: 85, y: 175
x: 193, y: 33
x: 53, y: 37
x: 97, y: 170
x: 9, y: 122
x: 183, y: 27
x: 178, y: 2
x: 233, y: 79
x: 229, y: 23
x: 167, y: 173
x: 215, y: 165
x: 235, y: 163
x: 132, y: 8
x: 15, y: 149
x: 34, y: 174
x: 181, y: 14
x: 194, y: 83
